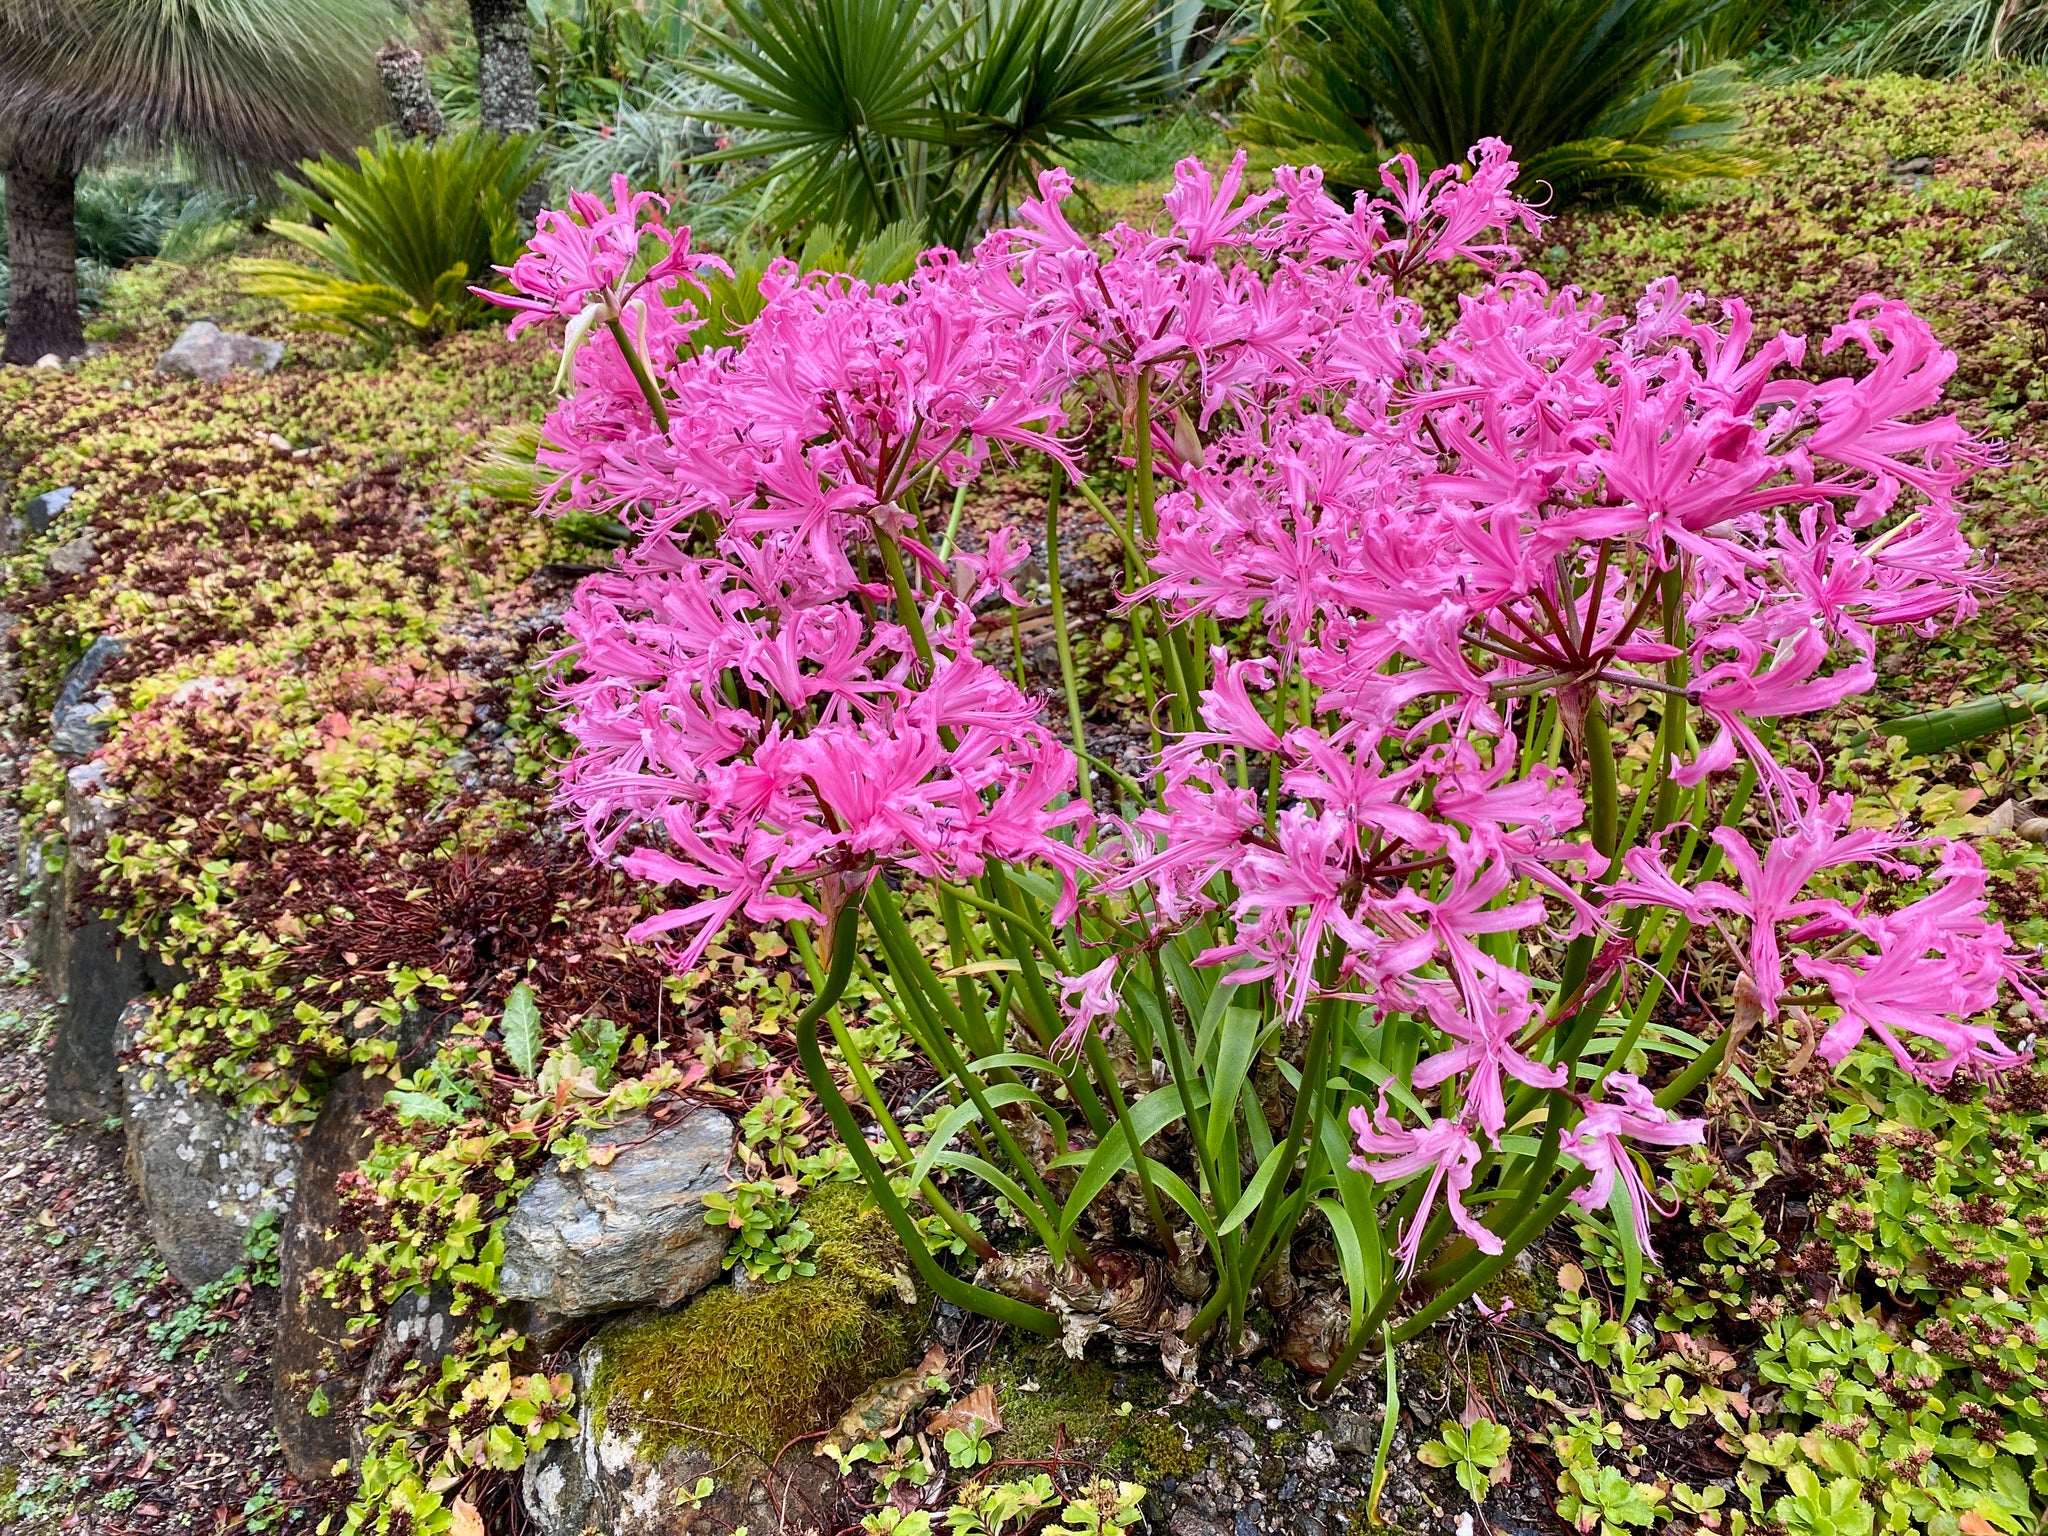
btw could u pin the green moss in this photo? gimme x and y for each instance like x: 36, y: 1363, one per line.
x: 1049, y: 1402
x: 763, y: 1366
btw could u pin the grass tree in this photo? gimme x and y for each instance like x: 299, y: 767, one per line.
x: 240, y: 86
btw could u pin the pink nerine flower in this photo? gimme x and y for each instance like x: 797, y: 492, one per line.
x: 1390, y: 1151
x: 1431, y: 547
x: 1086, y: 998
x: 1487, y: 1050
x: 1595, y: 1144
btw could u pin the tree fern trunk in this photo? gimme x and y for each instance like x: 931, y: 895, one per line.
x: 506, y: 99
x: 42, y: 249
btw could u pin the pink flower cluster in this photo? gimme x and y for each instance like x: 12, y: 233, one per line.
x: 1433, y: 531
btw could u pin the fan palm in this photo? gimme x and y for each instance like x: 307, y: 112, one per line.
x: 870, y: 112
x: 1576, y: 86
x: 242, y: 86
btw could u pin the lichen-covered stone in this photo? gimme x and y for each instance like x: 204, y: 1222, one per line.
x: 420, y: 1331
x: 629, y: 1234
x: 204, y: 1168
x: 719, y: 1388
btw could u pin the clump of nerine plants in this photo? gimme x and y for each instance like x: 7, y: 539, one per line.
x: 1469, y: 651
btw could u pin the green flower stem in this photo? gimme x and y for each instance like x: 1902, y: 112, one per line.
x: 1143, y: 487
x: 1059, y: 629
x: 640, y: 374
x: 915, y: 979
x: 1673, y: 1093
x: 953, y: 523
x: 1602, y: 788
x: 972, y: 1298
x: 1183, y: 1080
x: 1493, y: 1264
x: 958, y: 1224
x: 906, y: 598
x: 1677, y: 672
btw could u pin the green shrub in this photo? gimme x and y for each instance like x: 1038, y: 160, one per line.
x: 401, y: 236
x: 1576, y: 86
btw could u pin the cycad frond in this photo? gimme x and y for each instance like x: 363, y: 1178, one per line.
x: 1573, y: 85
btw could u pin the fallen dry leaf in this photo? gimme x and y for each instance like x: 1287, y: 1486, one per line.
x: 467, y: 1521
x: 977, y: 1408
x: 880, y: 1411
x: 1974, y: 1524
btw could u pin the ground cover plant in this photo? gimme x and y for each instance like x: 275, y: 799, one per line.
x: 1818, y: 1352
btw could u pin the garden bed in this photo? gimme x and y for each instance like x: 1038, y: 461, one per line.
x: 326, y: 773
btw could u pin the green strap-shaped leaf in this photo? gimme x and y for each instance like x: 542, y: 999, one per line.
x: 1358, y: 1282
x: 958, y: 1118
x: 1944, y: 730
x: 1622, y: 1209
x: 1255, y: 1192
x: 1149, y: 1116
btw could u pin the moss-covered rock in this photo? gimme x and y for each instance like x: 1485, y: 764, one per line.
x: 719, y: 1388
x: 768, y: 1363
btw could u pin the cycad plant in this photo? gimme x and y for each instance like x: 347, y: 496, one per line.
x: 240, y: 85
x: 869, y: 112
x: 400, y: 237
x: 1581, y: 88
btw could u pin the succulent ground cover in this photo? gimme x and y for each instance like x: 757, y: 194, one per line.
x: 331, y: 748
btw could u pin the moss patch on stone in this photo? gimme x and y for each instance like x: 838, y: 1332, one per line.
x: 763, y: 1366
x: 1049, y: 1401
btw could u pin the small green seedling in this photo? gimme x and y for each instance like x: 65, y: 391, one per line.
x: 1479, y: 1455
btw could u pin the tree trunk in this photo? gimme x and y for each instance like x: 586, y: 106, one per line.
x: 42, y: 250
x: 506, y: 99
x: 404, y: 74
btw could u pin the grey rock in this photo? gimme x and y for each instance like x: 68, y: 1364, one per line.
x: 1355, y: 1432
x: 97, y: 974
x: 78, y: 730
x: 631, y: 1233
x: 94, y: 971
x: 603, y: 1480
x: 420, y: 1331
x: 74, y: 719
x: 41, y: 511
x: 312, y: 1359
x: 204, y: 351
x: 71, y: 558
x: 205, y: 1169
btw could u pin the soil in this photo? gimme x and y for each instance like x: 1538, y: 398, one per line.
x: 125, y: 1406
